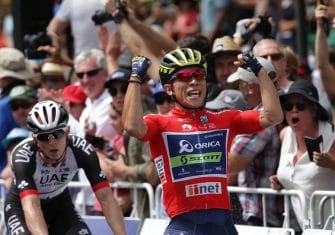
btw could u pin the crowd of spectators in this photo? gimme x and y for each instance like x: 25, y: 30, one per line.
x: 91, y: 82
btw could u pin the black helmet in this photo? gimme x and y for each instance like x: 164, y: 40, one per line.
x: 179, y: 59
x: 46, y: 116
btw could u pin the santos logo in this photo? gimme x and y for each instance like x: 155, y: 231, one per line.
x: 186, y: 146
x: 203, y: 188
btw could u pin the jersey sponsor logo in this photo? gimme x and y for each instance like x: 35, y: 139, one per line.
x: 83, y: 145
x: 59, y: 178
x: 187, y: 147
x: 14, y: 225
x: 23, y: 184
x: 160, y: 168
x: 203, y: 189
x: 24, y: 153
x: 197, y: 154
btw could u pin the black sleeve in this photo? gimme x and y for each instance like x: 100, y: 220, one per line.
x: 87, y: 159
x: 24, y: 164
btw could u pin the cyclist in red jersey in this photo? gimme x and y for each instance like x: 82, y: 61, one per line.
x: 189, y: 145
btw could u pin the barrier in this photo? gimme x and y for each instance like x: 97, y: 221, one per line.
x: 318, y: 209
x: 99, y: 226
x: 247, y: 230
x: 284, y: 192
x: 317, y: 232
x: 262, y: 191
x: 125, y: 185
x: 154, y: 226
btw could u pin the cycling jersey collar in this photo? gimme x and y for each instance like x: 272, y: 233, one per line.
x: 188, y: 113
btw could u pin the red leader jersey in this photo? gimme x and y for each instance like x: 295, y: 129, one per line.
x: 190, y: 153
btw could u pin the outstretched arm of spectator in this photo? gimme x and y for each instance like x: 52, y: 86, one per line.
x: 322, y: 56
x: 142, y: 40
x: 56, y: 30
x: 33, y: 214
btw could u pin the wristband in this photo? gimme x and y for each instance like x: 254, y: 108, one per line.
x: 134, y: 81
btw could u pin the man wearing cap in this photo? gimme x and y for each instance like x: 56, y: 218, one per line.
x: 224, y: 53
x: 14, y: 70
x: 22, y: 99
x: 117, y: 84
x: 228, y: 99
x: 257, y: 155
x: 271, y: 50
x: 54, y: 76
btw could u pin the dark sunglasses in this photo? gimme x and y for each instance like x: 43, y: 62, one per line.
x: 187, y: 74
x: 24, y: 105
x: 90, y: 73
x: 46, y: 136
x: 300, y: 105
x: 123, y: 89
x: 276, y: 56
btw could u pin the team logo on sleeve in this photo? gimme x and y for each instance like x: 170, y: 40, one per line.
x: 160, y: 169
x: 22, y: 184
x: 102, y: 174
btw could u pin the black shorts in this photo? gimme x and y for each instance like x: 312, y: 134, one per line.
x: 59, y: 213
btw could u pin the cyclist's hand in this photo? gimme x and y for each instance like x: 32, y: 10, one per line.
x: 251, y: 62
x: 139, y: 67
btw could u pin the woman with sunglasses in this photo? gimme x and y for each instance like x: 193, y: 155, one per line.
x: 39, y: 201
x: 189, y: 145
x: 298, y: 169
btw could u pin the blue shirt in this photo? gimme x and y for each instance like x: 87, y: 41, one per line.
x: 7, y: 123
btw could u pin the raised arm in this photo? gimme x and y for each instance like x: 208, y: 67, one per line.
x: 272, y: 113
x: 322, y: 55
x: 33, y: 214
x: 111, y: 210
x: 140, y: 38
x: 132, y: 114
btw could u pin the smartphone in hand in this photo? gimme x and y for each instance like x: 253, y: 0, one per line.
x: 313, y: 145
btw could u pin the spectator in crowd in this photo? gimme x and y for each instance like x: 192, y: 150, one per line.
x: 273, y: 51
x: 15, y: 136
x: 90, y: 69
x: 164, y: 102
x: 22, y: 99
x: 112, y: 158
x: 212, y: 16
x: 75, y: 98
x: 186, y: 20
x: 134, y: 162
x: 117, y: 84
x: 224, y: 53
x: 78, y: 16
x: 228, y: 99
x: 39, y: 203
x: 299, y: 169
x: 54, y: 76
x: 322, y: 57
x: 256, y: 156
x: 14, y: 70
x: 183, y: 73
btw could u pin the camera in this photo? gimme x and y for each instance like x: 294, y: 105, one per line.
x: 101, y: 16
x: 32, y: 42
